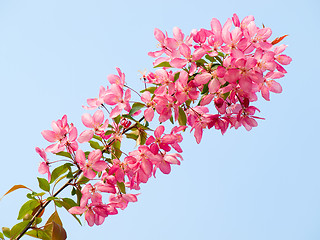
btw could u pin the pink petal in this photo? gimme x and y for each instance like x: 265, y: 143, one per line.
x: 73, y: 134
x: 49, y: 135
x: 99, y: 166
x: 274, y: 86
x: 89, y: 216
x: 88, y: 173
x: 165, y: 167
x: 115, y: 112
x: 94, y: 156
x: 77, y: 210
x: 185, y: 50
x: 98, y: 117
x: 80, y: 157
x: 149, y: 114
x: 159, y: 131
x: 202, y: 78
x: 178, y: 62
x: 87, y: 120
x: 85, y: 136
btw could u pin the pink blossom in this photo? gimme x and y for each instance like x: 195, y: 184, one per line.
x: 96, y: 123
x: 114, y: 96
x: 95, y: 213
x: 160, y: 142
x: 165, y: 164
x: 64, y: 134
x: 93, y: 164
x: 121, y: 201
x: 149, y: 112
x: 118, y: 80
x: 96, y: 102
x: 43, y: 166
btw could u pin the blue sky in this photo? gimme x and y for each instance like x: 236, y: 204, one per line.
x: 263, y: 184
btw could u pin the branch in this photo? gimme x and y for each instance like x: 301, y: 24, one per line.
x: 46, y: 204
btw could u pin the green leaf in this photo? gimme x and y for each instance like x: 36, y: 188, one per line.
x: 109, y: 132
x: 132, y: 136
x: 15, y: 187
x: 176, y: 76
x: 64, y: 154
x: 27, y: 208
x: 116, y: 149
x: 97, y: 138
x: 149, y: 89
x: 57, y: 172
x: 58, y: 203
x: 82, y: 180
x: 122, y: 187
x: 141, y: 140
x: 39, y: 233
x: 201, y: 62
x: 211, y: 59
x: 182, y: 119
x: 39, y: 194
x: 171, y: 119
x: 163, y: 64
x: 6, y: 231
x: 95, y: 145
x: 70, y: 175
x: 205, y: 89
x: 225, y: 95
x: 17, y: 229
x: 136, y: 107
x: 188, y: 102
x: 38, y: 220
x: 117, y: 119
x: 52, y: 198
x: 129, y: 117
x: 43, y: 184
x: 1, y: 236
x: 68, y: 203
x: 30, y: 196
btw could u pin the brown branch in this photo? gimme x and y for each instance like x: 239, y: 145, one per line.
x: 46, y: 204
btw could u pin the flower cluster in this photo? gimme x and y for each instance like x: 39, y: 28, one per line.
x: 223, y: 66
x: 221, y: 69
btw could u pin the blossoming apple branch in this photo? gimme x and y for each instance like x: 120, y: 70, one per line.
x: 221, y: 69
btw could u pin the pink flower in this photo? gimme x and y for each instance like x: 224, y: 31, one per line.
x: 96, y: 123
x: 118, y: 80
x: 63, y: 134
x: 121, y: 201
x: 94, y: 213
x: 167, y: 160
x: 44, y: 166
x: 160, y: 142
x: 167, y: 44
x: 115, y: 97
x: 117, y: 170
x: 93, y: 164
x: 149, y: 112
x: 93, y: 192
x: 96, y: 102
x: 185, y: 90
